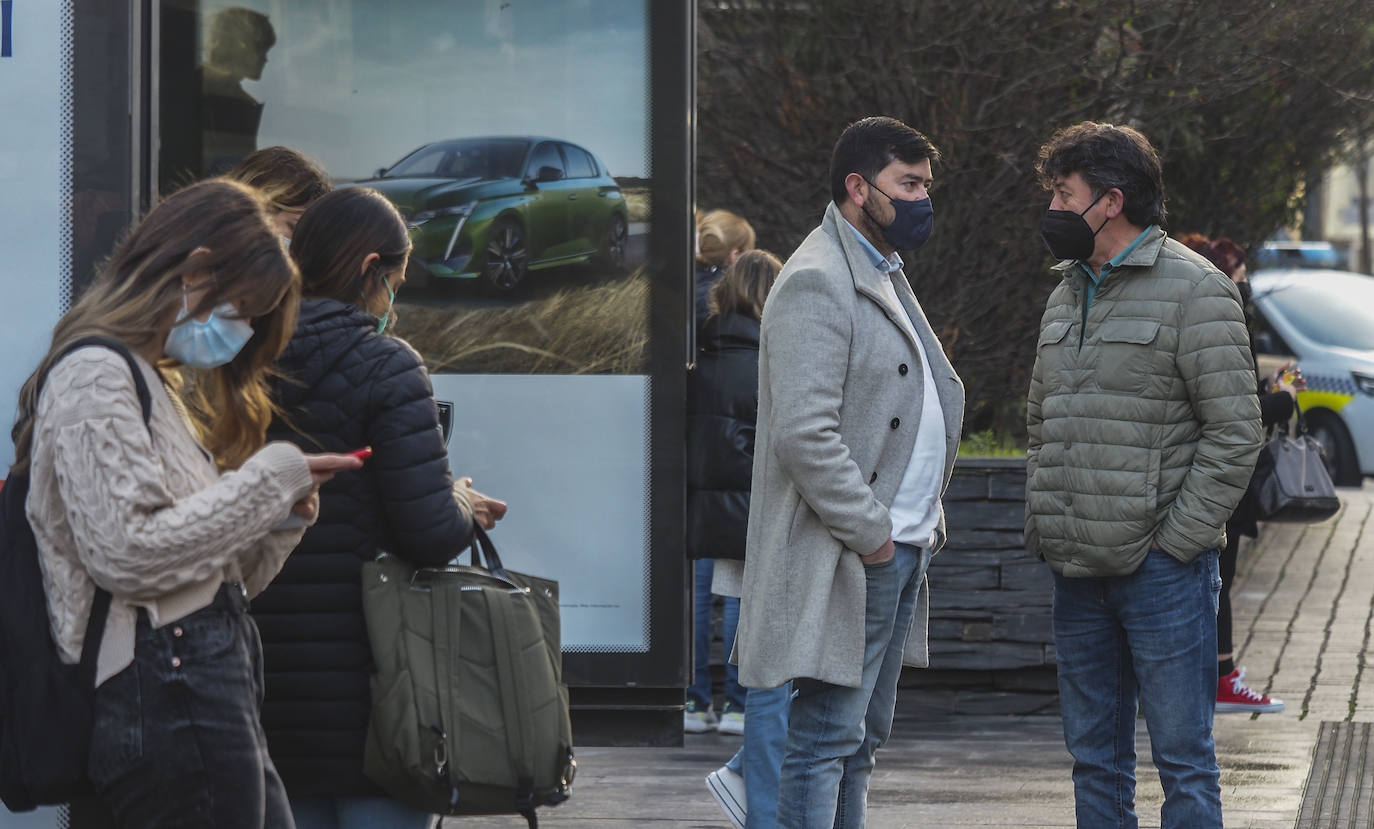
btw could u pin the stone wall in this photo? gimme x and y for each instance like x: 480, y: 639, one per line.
x: 991, y: 643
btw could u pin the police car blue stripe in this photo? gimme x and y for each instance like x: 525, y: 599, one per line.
x: 1338, y: 385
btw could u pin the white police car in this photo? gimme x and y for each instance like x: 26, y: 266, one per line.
x: 1324, y: 321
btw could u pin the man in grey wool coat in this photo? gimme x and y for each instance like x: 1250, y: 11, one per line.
x: 858, y: 425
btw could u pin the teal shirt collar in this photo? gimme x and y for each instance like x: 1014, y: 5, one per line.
x: 1115, y: 261
x: 885, y: 264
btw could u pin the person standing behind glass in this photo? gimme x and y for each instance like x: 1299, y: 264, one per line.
x: 1277, y: 397
x: 722, y: 409
x: 180, y: 517
x: 344, y: 386
x: 290, y: 181
x: 721, y: 237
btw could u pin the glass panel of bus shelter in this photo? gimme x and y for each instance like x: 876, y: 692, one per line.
x: 514, y: 138
x: 65, y: 167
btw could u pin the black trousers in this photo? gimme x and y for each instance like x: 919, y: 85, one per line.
x: 1227, y: 564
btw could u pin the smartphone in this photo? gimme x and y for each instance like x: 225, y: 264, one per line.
x: 361, y: 454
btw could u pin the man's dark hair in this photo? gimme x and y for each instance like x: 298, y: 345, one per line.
x: 1108, y: 156
x: 866, y: 147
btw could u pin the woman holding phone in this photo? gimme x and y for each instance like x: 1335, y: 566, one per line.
x: 344, y: 384
x: 176, y: 517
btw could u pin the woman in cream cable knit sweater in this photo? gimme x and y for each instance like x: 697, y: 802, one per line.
x: 180, y: 520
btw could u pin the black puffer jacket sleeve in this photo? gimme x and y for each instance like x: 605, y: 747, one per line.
x: 1275, y: 407
x: 410, y: 464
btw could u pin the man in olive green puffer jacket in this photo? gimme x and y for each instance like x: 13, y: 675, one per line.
x: 1143, y: 431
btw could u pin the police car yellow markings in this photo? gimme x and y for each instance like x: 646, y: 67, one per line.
x: 1325, y: 392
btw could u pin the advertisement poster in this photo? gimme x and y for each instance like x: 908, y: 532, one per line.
x: 35, y: 188
x: 514, y: 138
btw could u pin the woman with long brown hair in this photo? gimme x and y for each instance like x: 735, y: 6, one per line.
x: 343, y: 384
x: 175, y: 518
x: 289, y: 180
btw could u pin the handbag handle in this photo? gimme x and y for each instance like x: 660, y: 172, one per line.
x: 484, y: 557
x: 482, y: 548
x: 1302, y: 424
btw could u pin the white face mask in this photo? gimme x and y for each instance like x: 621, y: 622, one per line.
x: 208, y: 344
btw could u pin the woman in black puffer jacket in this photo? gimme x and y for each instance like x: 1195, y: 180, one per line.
x: 344, y: 386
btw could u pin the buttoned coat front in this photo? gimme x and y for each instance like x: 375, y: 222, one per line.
x: 840, y: 395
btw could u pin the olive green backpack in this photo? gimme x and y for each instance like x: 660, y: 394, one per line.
x: 469, y: 710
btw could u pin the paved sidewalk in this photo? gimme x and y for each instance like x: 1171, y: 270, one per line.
x: 1303, y: 606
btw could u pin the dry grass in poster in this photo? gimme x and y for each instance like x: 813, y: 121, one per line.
x: 593, y: 329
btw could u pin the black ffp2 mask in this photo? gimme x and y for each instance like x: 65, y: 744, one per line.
x: 912, y: 222
x: 1068, y: 235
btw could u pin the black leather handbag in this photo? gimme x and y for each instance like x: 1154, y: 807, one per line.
x: 1291, y: 483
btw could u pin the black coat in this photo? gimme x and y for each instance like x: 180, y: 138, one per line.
x: 707, y: 277
x: 722, y: 409
x: 345, y: 387
x: 1275, y: 408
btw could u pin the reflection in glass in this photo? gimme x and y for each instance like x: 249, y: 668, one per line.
x: 236, y: 49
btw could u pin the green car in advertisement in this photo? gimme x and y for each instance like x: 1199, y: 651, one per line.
x: 497, y: 208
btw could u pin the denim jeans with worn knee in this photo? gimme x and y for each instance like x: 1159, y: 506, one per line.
x: 1149, y: 637
x: 177, y: 739
x: 759, y: 759
x: 834, y: 732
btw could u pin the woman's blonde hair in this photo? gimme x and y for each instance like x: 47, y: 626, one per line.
x: 719, y: 234
x: 289, y: 179
x: 744, y: 286
x: 218, y: 227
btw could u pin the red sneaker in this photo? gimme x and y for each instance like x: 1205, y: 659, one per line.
x: 1233, y: 695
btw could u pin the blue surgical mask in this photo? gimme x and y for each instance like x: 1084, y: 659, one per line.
x: 390, y: 301
x: 208, y: 344
x: 912, y: 224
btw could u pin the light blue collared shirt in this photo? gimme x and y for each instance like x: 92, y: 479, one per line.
x: 886, y: 264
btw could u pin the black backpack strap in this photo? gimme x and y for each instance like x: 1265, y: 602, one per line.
x: 100, y: 608
x: 95, y: 631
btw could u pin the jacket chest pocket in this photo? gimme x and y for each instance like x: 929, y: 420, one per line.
x: 1125, y: 351
x: 1053, y: 352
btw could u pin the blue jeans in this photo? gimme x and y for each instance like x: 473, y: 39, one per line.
x: 759, y: 759
x: 1149, y: 637
x: 177, y: 740
x: 834, y: 732
x: 702, y: 597
x: 357, y: 813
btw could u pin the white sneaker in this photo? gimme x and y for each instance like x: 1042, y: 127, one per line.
x: 728, y: 790
x: 731, y: 722
x: 697, y: 720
